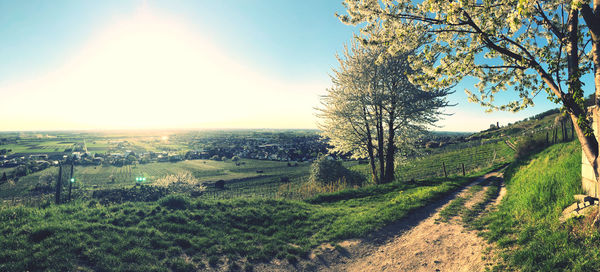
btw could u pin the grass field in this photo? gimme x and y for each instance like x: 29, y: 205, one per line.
x: 98, y: 146
x: 240, y: 180
x: 180, y: 234
x: 38, y: 146
x: 526, y: 225
x: 94, y: 144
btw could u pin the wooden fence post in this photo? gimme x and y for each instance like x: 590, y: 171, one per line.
x: 71, y: 182
x: 58, y: 185
x: 445, y: 173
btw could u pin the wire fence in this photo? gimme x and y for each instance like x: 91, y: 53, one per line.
x: 451, y: 161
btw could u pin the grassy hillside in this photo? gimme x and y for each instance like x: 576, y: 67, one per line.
x: 526, y: 225
x: 475, y: 158
x: 182, y: 234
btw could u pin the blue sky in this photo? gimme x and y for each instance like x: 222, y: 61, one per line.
x: 61, y: 65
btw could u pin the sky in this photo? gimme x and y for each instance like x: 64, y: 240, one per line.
x: 78, y: 65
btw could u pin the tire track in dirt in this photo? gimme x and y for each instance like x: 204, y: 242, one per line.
x: 422, y: 244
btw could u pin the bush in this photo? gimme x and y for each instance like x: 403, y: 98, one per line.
x: 326, y: 171
x: 529, y: 145
x: 175, y: 202
x: 181, y: 183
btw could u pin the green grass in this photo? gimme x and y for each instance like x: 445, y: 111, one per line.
x: 526, y: 224
x: 37, y: 146
x: 471, y: 215
x: 474, y: 159
x: 181, y: 233
x: 457, y: 205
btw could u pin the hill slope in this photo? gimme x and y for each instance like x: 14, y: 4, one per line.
x: 526, y: 226
x: 184, y: 235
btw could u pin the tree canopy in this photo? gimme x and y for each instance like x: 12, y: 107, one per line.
x: 524, y: 47
x: 372, y: 109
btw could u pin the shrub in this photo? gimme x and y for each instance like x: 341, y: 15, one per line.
x: 174, y: 202
x: 529, y: 145
x: 182, y: 182
x: 326, y: 171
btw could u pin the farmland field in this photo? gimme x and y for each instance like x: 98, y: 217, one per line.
x: 35, y: 146
x: 243, y: 177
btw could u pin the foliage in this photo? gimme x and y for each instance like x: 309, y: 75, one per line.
x: 174, y: 202
x: 503, y: 43
x: 529, y: 145
x: 45, y: 183
x: 22, y: 170
x: 327, y: 171
x: 182, y: 182
x: 526, y: 225
x: 373, y: 111
x: 525, y: 47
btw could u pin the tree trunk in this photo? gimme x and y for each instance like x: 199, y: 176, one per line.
x: 390, y: 153
x: 391, y: 145
x: 593, y: 22
x: 370, y: 148
x: 380, y: 144
x: 572, y: 131
x: 58, y: 185
x: 371, y: 157
x: 71, y: 181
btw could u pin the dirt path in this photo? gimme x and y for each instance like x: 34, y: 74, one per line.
x: 418, y: 243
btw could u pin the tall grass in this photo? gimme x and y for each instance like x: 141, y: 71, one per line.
x: 526, y: 225
x: 308, y: 189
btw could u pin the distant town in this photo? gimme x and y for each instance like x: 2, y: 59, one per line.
x: 23, y: 154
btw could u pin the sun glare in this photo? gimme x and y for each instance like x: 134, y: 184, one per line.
x: 152, y: 71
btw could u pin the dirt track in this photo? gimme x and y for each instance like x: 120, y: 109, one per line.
x: 420, y: 242
x: 429, y: 245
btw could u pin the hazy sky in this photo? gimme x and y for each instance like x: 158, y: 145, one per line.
x: 180, y: 64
